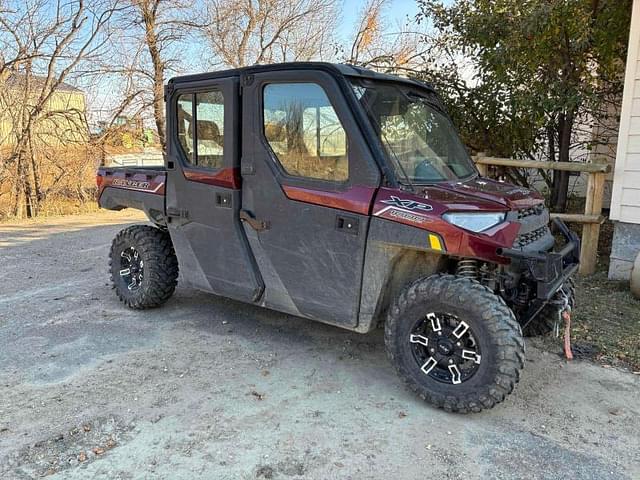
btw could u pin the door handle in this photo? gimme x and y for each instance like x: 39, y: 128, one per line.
x: 223, y: 200
x: 347, y: 224
x: 257, y: 225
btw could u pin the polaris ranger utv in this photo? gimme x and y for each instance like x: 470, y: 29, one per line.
x: 345, y: 196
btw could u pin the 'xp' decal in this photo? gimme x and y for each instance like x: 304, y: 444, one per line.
x: 408, y: 204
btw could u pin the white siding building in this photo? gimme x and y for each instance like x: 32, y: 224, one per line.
x: 625, y: 199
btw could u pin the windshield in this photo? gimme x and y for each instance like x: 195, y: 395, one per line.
x: 420, y: 140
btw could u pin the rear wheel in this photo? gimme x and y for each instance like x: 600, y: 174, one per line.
x: 455, y: 343
x: 144, y: 267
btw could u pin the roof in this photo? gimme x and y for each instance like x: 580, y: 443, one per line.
x: 335, y: 68
x: 38, y: 81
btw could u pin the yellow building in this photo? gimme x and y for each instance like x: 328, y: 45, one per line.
x: 62, y: 120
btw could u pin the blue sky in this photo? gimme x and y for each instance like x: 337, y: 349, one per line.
x: 396, y: 11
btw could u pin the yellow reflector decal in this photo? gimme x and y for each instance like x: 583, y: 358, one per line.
x: 434, y: 241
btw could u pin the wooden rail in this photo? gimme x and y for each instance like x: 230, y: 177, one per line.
x: 568, y: 166
x: 590, y: 220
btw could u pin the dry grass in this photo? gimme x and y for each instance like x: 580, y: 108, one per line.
x: 59, y: 206
x: 607, y: 321
x: 67, y: 178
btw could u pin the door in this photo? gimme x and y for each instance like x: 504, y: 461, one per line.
x: 308, y: 182
x: 203, y: 188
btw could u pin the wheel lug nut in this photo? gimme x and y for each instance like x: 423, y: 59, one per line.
x: 451, y: 360
x: 432, y: 350
x: 459, y: 344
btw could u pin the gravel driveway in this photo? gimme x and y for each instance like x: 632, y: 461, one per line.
x: 207, y: 387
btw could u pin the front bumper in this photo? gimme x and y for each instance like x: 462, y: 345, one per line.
x: 549, y: 270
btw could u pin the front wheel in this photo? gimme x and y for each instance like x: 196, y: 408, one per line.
x: 144, y: 267
x: 455, y: 343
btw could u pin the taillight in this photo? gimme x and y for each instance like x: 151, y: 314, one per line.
x: 99, y: 180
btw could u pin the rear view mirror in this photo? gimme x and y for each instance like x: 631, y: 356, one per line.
x: 391, y: 107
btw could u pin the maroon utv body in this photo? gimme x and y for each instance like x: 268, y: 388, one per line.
x: 345, y: 196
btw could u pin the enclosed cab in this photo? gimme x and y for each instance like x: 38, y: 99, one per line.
x: 346, y: 196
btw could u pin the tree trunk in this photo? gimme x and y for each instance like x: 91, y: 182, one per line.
x: 17, y: 198
x: 561, y: 178
x: 551, y: 141
x: 151, y: 37
x: 158, y: 102
x: 25, y: 162
x: 37, y: 183
x: 25, y: 187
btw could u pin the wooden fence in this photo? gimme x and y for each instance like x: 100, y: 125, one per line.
x: 592, y: 217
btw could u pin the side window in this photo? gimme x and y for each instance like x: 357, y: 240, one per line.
x: 209, y: 129
x: 185, y: 125
x: 201, y: 129
x: 304, y: 131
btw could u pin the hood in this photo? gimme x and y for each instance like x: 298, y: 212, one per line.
x: 501, y: 193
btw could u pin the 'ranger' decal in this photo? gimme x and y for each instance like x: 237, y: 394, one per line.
x: 412, y: 217
x: 119, y: 182
x: 408, y: 204
x: 140, y: 185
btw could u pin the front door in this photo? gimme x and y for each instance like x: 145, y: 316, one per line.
x: 307, y: 185
x: 203, y: 188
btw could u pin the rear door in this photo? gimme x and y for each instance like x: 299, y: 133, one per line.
x: 308, y: 182
x: 203, y: 188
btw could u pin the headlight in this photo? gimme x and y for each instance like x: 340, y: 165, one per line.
x: 476, y: 222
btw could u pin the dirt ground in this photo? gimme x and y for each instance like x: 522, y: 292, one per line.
x: 209, y: 388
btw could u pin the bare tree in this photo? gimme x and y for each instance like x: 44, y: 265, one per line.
x: 248, y: 32
x: 41, y: 47
x: 150, y: 45
x: 378, y: 45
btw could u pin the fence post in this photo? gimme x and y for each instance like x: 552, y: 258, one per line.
x: 482, y: 168
x: 591, y: 231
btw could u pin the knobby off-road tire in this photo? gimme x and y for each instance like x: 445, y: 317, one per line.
x: 545, y: 322
x: 147, y: 253
x: 491, y: 329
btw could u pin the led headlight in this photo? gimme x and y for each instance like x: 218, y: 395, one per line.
x: 476, y: 222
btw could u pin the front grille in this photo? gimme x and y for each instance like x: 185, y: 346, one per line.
x: 527, y: 212
x: 530, y: 237
x: 534, y: 227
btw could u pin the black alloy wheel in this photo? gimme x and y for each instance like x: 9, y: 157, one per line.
x: 131, y: 268
x: 445, y: 348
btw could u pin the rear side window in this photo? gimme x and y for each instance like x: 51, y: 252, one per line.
x: 201, y: 128
x: 304, y: 131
